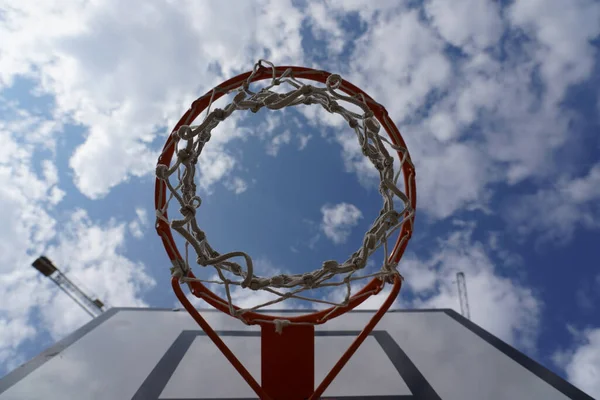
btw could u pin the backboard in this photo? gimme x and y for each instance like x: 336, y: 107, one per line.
x: 132, y: 353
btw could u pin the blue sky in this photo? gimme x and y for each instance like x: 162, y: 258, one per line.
x: 497, y: 101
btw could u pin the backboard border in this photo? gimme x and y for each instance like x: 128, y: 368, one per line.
x: 158, y: 378
x: 551, y: 378
x: 525, y: 361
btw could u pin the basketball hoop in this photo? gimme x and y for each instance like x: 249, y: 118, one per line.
x: 287, y: 352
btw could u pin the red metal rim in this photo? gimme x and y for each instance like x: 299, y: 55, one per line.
x: 198, y: 106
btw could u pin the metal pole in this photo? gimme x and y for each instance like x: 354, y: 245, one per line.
x: 49, y: 270
x: 461, y: 282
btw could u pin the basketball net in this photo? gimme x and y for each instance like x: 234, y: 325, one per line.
x: 176, y: 183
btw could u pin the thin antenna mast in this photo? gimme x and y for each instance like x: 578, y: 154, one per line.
x: 461, y: 282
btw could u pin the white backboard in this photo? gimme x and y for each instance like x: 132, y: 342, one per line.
x: 130, y: 353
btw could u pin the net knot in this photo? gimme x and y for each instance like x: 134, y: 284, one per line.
x: 389, y: 277
x: 184, y: 155
x: 162, y: 171
x: 357, y: 262
x: 202, y: 260
x: 353, y: 123
x: 370, y: 241
x: 280, y: 324
x: 334, y: 81
x: 179, y: 269
x: 393, y: 218
x: 309, y: 100
x: 390, y: 268
x: 219, y: 114
x: 330, y: 265
x: 308, y: 280
x: 271, y: 99
x: 200, y: 235
x: 278, y: 280
x: 372, y: 125
x: 235, y: 269
x: 257, y: 284
x: 196, y: 200
x: 204, y: 136
x: 185, y: 132
x: 306, y: 89
x: 176, y: 273
x: 334, y: 107
x: 383, y: 188
x: 188, y: 211
x: 239, y: 97
x: 368, y: 150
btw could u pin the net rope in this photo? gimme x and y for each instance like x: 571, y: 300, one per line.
x: 190, y: 140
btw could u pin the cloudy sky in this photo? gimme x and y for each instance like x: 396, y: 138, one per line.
x: 497, y: 101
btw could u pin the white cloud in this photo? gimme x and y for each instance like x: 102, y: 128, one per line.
x: 142, y: 215
x: 303, y: 141
x: 237, y: 185
x: 431, y: 96
x: 13, y: 332
x: 407, y: 70
x: 90, y: 252
x: 505, y: 307
x: 586, y: 189
x: 582, y: 362
x: 136, y: 229
x: 27, y: 199
x: 26, y: 195
x: 338, y: 221
x: 324, y: 27
x: 278, y: 141
x: 214, y: 166
x: 492, y: 113
x: 564, y: 29
x: 355, y: 161
x: 124, y: 79
x: 588, y: 294
x: 313, y: 241
x: 556, y: 212
x: 454, y: 176
x: 137, y: 226
x: 366, y: 9
x: 470, y: 24
x: 267, y: 128
x: 93, y: 254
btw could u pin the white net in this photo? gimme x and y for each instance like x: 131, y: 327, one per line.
x: 179, y: 178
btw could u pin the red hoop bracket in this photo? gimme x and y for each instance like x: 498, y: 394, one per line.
x: 287, y: 340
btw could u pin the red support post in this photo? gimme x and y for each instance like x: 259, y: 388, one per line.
x: 288, y: 361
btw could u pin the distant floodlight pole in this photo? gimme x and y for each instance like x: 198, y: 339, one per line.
x: 48, y: 269
x: 461, y: 282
